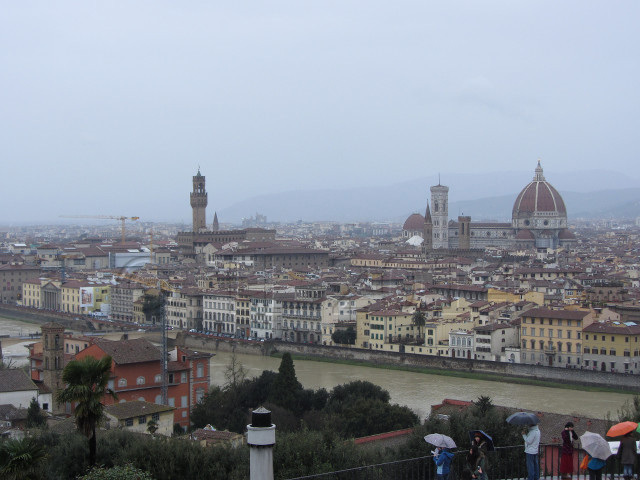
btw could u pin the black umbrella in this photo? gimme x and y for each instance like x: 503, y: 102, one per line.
x: 523, y: 418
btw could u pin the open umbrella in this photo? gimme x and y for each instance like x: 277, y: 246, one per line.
x: 523, y: 418
x: 440, y: 440
x: 622, y: 428
x: 489, y: 447
x: 595, y: 445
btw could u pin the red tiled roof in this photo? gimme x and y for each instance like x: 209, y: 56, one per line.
x: 130, y: 351
x: 383, y: 436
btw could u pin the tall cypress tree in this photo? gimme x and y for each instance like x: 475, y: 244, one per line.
x: 286, y: 387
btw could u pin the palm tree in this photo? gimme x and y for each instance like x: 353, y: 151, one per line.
x: 20, y: 458
x: 419, y: 320
x: 86, y: 383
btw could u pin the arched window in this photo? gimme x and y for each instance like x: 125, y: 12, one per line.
x: 140, y: 380
x: 122, y: 382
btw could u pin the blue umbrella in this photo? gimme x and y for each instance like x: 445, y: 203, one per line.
x: 484, y: 438
x: 523, y: 418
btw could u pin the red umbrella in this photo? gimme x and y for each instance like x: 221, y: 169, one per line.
x: 620, y: 429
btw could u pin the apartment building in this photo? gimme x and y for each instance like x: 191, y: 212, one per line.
x: 265, y: 316
x: 137, y: 374
x: 219, y: 312
x: 302, y: 313
x: 612, y: 346
x: 553, y: 337
x: 340, y: 309
x: 492, y: 340
x: 123, y: 296
x: 11, y: 279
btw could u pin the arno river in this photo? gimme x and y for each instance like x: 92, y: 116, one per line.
x: 417, y: 391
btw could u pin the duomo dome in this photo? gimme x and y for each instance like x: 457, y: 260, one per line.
x: 414, y: 223
x: 539, y: 206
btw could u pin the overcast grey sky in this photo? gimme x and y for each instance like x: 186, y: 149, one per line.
x: 109, y: 107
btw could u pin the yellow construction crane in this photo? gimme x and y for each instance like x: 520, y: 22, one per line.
x: 107, y: 217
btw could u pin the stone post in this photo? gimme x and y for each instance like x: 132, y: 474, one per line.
x: 261, y: 437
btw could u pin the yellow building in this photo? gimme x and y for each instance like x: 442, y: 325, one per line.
x: 499, y: 296
x: 389, y: 327
x: 33, y: 293
x: 135, y: 416
x: 611, y: 346
x: 553, y: 337
x: 372, y: 260
x: 82, y: 297
x: 72, y: 296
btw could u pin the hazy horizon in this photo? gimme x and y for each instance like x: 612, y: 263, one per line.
x: 110, y: 108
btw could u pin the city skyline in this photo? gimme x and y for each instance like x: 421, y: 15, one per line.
x: 109, y: 104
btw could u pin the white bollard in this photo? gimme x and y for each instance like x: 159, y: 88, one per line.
x: 261, y: 437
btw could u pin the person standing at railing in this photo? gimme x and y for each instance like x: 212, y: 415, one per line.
x: 566, y: 454
x: 627, y: 455
x: 531, y: 438
x: 595, y: 467
x: 442, y: 457
x: 477, y: 462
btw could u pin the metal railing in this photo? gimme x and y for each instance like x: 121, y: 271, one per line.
x: 505, y: 463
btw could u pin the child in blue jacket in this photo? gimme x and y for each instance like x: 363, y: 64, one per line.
x: 443, y: 458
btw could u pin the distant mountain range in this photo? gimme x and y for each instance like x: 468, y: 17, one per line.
x: 587, y: 194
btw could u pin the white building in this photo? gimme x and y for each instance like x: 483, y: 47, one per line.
x: 17, y: 389
x: 266, y: 314
x: 219, y: 312
x: 461, y: 344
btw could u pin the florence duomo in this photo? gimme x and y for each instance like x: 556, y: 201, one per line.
x: 539, y: 220
x: 208, y: 269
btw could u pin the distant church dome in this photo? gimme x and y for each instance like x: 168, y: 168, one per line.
x: 539, y: 205
x: 415, y: 222
x: 539, y: 196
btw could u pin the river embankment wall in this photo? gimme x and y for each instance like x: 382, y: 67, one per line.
x: 69, y: 320
x: 587, y: 378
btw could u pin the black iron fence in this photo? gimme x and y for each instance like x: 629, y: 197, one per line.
x: 505, y: 463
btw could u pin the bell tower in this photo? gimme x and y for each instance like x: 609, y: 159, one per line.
x: 53, y: 360
x: 440, y: 215
x: 464, y: 232
x: 199, y: 202
x: 427, y: 232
